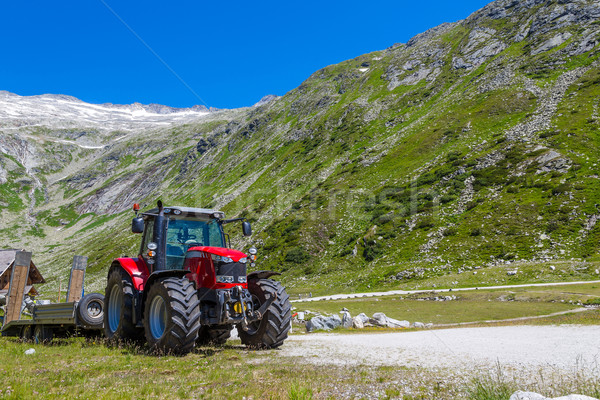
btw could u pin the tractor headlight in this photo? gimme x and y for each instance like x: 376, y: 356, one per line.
x: 243, y: 260
x: 224, y: 279
x: 242, y: 279
x: 221, y: 258
x: 152, y: 246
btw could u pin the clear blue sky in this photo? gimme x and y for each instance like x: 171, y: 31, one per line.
x: 226, y: 54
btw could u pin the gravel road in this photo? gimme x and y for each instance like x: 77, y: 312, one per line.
x: 562, y: 347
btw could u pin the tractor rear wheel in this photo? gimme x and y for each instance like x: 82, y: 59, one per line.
x: 214, y: 335
x: 172, y: 315
x: 118, y: 310
x: 274, y: 326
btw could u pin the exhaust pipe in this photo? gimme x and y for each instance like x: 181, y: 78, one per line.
x: 158, y: 237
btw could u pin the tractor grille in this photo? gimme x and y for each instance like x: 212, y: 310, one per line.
x: 236, y: 270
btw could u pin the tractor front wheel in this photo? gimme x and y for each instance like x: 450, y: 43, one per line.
x: 118, y: 307
x: 172, y: 316
x: 273, y: 328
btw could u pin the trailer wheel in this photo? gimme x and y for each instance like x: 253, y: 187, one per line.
x: 42, y: 334
x: 172, y: 315
x: 90, y: 310
x: 214, y: 335
x: 273, y: 328
x: 118, y: 301
x: 27, y: 333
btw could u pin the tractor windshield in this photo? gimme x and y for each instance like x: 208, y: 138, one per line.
x: 185, y: 232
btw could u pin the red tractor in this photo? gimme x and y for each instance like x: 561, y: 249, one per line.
x: 187, y: 287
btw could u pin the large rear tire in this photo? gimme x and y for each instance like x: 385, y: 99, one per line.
x: 118, y: 310
x: 273, y: 328
x: 172, y: 316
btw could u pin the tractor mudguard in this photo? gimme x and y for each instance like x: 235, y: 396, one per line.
x: 135, y: 268
x: 262, y: 274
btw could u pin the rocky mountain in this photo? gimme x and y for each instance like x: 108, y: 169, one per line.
x: 473, y: 145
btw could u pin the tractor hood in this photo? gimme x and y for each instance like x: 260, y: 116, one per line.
x: 235, y: 255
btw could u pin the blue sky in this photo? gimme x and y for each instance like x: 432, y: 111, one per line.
x: 221, y: 54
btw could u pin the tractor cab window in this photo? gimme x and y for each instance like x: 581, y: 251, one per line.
x: 184, y: 233
x: 148, y: 234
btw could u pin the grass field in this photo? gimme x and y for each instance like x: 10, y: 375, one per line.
x: 469, y: 306
x: 79, y: 368
x: 83, y: 368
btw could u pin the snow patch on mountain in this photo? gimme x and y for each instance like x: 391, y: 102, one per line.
x: 60, y: 111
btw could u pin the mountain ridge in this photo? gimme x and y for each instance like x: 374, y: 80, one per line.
x: 472, y: 145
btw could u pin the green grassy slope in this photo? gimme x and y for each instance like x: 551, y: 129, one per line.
x: 465, y: 147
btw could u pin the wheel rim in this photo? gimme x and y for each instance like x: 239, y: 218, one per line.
x: 158, y: 317
x: 94, y: 309
x: 115, y: 304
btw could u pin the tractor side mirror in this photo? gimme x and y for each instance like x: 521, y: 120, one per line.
x: 137, y: 225
x: 246, y: 228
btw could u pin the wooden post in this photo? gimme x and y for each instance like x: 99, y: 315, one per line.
x: 75, y: 289
x: 16, y: 290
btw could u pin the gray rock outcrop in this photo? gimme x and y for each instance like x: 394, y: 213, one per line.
x: 321, y: 322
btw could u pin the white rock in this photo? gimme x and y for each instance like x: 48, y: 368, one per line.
x: 511, y: 273
x: 363, y: 318
x: 30, y: 351
x: 552, y: 267
x: 597, y: 272
x: 520, y: 395
x: 419, y: 325
x: 357, y: 323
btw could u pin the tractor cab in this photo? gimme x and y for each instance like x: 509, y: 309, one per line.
x: 170, y: 232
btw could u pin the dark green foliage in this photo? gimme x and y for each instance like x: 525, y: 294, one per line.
x: 297, y: 255
x: 562, y: 188
x: 372, y: 250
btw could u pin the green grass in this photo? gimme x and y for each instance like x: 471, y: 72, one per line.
x: 465, y: 309
x: 79, y: 368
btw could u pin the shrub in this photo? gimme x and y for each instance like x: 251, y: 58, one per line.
x: 297, y: 255
x: 426, y: 223
x: 562, y: 188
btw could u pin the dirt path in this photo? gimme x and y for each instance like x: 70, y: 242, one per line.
x: 556, y: 347
x: 407, y: 292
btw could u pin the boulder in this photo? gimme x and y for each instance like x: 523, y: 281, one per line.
x: 380, y: 319
x: 520, y: 395
x: 419, y: 325
x: 346, y: 319
x: 357, y: 323
x: 363, y: 318
x: 321, y: 322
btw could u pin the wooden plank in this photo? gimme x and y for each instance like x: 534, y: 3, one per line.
x: 76, y: 279
x: 16, y: 290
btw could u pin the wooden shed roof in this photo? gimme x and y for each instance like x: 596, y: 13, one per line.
x: 7, y: 257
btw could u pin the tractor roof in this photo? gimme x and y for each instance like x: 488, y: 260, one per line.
x: 189, y: 212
